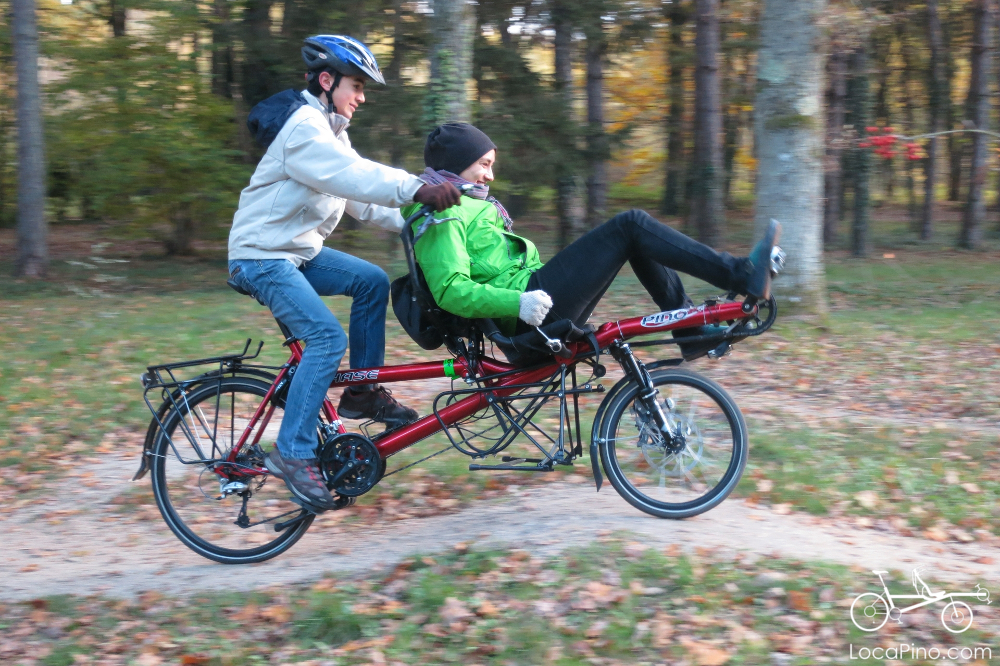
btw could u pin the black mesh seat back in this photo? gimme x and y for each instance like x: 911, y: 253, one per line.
x: 415, y: 308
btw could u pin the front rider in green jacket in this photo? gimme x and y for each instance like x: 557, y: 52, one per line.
x: 475, y: 266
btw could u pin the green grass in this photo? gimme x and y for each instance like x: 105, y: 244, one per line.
x: 616, y: 601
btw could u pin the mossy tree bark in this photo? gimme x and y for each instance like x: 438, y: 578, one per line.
x: 454, y: 27
x: 789, y: 137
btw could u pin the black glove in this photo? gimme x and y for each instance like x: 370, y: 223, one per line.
x: 438, y: 197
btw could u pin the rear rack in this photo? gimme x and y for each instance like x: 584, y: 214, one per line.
x: 174, y: 391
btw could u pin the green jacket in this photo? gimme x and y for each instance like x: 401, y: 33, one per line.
x: 472, y: 266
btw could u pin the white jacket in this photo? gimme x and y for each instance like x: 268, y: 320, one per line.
x: 306, y: 180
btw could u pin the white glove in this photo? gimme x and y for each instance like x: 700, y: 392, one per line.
x: 534, y: 306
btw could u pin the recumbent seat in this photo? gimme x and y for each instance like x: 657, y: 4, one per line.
x: 430, y: 326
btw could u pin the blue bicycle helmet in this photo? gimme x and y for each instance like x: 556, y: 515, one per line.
x: 343, y: 54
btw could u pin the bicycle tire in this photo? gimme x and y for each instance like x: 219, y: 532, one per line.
x: 631, y: 478
x: 182, y: 491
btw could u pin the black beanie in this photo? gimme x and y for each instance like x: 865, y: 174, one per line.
x: 455, y: 146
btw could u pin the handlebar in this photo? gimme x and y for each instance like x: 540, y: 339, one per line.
x: 428, y: 210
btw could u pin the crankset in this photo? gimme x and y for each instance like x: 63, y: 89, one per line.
x: 350, y: 463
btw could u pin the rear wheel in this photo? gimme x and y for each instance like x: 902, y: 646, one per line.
x: 232, y: 520
x: 684, y: 474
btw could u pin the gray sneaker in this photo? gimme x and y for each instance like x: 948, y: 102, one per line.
x: 302, y: 477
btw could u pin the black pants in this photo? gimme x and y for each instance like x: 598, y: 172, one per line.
x: 577, y: 277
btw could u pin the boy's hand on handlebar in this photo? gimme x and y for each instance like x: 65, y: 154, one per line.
x: 534, y: 306
x: 438, y: 197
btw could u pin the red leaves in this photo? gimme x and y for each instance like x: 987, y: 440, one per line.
x: 883, y: 140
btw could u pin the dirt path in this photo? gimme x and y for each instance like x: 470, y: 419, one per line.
x: 81, y: 544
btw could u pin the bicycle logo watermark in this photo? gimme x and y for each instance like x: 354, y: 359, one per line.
x: 871, y: 610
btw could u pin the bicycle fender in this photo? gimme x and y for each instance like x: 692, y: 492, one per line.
x: 598, y: 417
x: 595, y: 464
x: 602, y: 408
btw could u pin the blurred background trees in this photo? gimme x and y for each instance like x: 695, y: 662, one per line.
x: 597, y: 106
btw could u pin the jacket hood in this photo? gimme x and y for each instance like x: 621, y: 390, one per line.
x: 268, y: 117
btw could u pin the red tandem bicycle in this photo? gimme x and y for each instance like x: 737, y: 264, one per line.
x: 672, y: 442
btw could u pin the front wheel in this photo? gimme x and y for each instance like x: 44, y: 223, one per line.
x: 679, y: 475
x: 231, y: 524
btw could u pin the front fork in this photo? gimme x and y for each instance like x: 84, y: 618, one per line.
x: 647, y: 396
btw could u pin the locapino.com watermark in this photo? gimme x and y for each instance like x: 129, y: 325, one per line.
x: 905, y: 651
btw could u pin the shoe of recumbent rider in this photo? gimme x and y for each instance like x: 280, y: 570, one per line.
x: 693, y: 350
x: 758, y: 282
x: 376, y: 404
x: 303, y: 479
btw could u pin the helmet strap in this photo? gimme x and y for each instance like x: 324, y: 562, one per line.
x: 337, y: 76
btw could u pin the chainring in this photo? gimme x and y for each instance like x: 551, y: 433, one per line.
x: 351, y: 465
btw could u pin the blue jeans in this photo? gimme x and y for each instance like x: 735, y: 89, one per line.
x: 293, y: 295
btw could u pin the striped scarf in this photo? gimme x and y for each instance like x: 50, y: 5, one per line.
x: 432, y: 177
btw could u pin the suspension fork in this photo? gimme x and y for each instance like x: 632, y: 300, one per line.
x: 635, y: 369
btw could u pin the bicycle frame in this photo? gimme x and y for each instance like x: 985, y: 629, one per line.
x: 501, y: 379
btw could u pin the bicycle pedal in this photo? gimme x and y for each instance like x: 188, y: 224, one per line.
x: 725, y: 349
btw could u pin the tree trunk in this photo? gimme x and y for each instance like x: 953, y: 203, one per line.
x: 597, y: 140
x: 908, y: 114
x: 789, y: 137
x: 454, y: 26
x: 117, y: 18
x: 678, y: 16
x: 182, y: 240
x: 569, y: 206
x: 32, y: 230
x: 394, y: 79
x: 707, y: 211
x: 956, y: 144
x: 882, y: 113
x: 730, y: 127
x: 261, y: 77
x: 861, y: 112
x: 975, y: 209
x: 833, y: 182
x: 936, y: 90
x: 222, y: 50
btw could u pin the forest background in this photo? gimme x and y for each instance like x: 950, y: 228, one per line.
x: 651, y: 103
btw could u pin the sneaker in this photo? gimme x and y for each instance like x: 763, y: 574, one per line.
x: 693, y: 350
x: 303, y: 479
x: 759, y: 280
x: 377, y: 405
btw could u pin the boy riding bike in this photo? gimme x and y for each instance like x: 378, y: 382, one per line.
x: 308, y: 178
